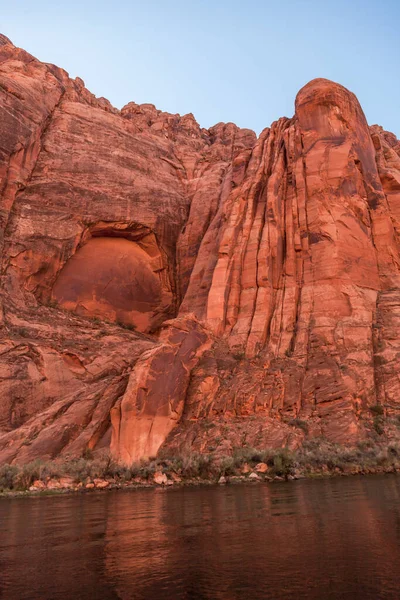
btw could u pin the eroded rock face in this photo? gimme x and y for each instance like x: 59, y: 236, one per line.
x: 264, y: 272
x: 155, y: 396
x: 113, y: 279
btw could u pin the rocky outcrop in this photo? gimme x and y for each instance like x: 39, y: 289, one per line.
x: 167, y: 286
x: 306, y: 256
x: 154, y: 399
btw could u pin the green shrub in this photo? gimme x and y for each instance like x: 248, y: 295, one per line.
x: 27, y: 474
x: 8, y: 475
x: 82, y: 469
x: 129, y: 326
x: 96, y: 320
x: 197, y: 465
x: 283, y: 463
x: 87, y: 454
x: 246, y: 455
x: 394, y: 449
x: 22, y: 331
x: 299, y: 423
x: 207, y: 425
x: 226, y: 466
x: 378, y: 425
x: 377, y: 409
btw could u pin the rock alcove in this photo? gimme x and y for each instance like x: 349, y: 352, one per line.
x: 116, y: 278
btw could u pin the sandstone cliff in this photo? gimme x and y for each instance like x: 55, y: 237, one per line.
x: 167, y: 286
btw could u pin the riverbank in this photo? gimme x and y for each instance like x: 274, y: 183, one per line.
x: 316, y: 458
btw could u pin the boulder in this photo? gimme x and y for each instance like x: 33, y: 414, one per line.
x: 261, y: 467
x: 37, y: 485
x: 101, y: 483
x: 160, y: 478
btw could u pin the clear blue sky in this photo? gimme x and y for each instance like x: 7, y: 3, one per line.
x: 223, y: 60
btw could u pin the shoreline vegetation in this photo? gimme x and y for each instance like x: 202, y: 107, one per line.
x: 316, y: 458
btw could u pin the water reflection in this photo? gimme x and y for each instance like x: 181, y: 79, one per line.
x: 308, y: 539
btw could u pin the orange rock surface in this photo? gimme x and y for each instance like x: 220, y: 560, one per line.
x: 114, y: 279
x: 176, y: 288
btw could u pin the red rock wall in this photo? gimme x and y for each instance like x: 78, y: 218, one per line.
x: 277, y: 259
x: 304, y: 279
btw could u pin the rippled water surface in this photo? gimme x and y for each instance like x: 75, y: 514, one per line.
x: 323, y: 539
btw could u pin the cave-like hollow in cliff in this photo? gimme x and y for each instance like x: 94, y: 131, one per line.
x: 116, y: 278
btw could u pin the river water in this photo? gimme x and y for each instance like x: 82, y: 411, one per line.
x: 321, y: 539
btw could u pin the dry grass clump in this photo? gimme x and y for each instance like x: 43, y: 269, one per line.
x: 315, y: 457
x: 366, y: 456
x: 21, y: 477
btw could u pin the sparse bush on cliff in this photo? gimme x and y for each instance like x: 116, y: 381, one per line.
x: 247, y: 455
x: 27, y: 475
x: 321, y: 454
x: 197, y: 465
x: 8, y: 475
x: 82, y: 468
x: 366, y: 456
x: 227, y: 466
x: 15, y: 477
x: 129, y: 326
x: 299, y: 423
x: 21, y: 331
x: 88, y: 454
x: 377, y: 409
x: 283, y: 463
x: 378, y: 423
